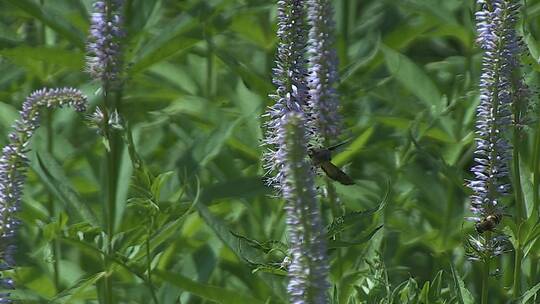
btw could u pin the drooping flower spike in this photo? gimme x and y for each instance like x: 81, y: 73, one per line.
x: 498, y: 39
x: 104, y: 48
x: 13, y: 166
x: 309, y: 267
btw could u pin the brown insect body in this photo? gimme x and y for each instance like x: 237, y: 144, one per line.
x: 323, y: 159
x: 489, y: 223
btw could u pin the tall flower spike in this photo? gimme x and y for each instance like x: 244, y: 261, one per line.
x: 309, y: 267
x: 13, y: 165
x: 104, y: 58
x: 497, y: 37
x: 289, y: 79
x: 322, y: 71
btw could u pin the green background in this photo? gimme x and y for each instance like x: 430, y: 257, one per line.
x: 198, y: 80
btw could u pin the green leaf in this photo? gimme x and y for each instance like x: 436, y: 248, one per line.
x: 207, y: 149
x: 463, y: 295
x: 244, y: 187
x: 534, y: 50
x: 54, y: 21
x: 252, y: 80
x: 358, y: 63
x: 79, y: 291
x: 158, y: 183
x: 267, y: 268
x: 171, y: 228
x: 240, y: 247
x: 529, y: 294
x: 354, y: 148
x: 60, y: 186
x: 424, y: 293
x: 436, y: 287
x: 404, y: 124
x: 172, y: 40
x: 205, y: 291
x: 124, y: 178
x: 413, y: 78
x: 343, y: 222
x: 340, y: 243
x: 52, y: 55
x: 346, y: 284
x: 266, y: 247
x: 8, y: 114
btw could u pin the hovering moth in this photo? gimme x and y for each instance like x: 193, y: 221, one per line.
x: 323, y: 158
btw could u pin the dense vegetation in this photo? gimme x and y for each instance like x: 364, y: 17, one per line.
x: 166, y: 201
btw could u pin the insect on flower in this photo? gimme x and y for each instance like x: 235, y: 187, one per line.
x: 488, y: 223
x: 323, y: 158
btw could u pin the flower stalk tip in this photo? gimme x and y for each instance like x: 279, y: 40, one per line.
x: 104, y: 51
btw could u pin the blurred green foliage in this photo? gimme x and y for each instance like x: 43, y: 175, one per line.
x: 191, y: 192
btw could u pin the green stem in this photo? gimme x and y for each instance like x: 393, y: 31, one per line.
x: 536, y: 170
x: 520, y: 215
x: 335, y: 205
x: 450, y: 202
x: 52, y: 210
x: 534, y: 270
x: 485, y: 280
x: 517, y: 271
x: 55, y: 244
x: 110, y: 202
x: 209, y: 63
x: 149, y: 262
x: 336, y: 212
x: 345, y: 30
x: 520, y: 203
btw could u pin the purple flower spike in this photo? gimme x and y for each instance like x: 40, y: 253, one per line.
x: 104, y: 59
x: 497, y: 37
x: 290, y: 81
x: 322, y: 72
x: 309, y: 267
x: 13, y: 165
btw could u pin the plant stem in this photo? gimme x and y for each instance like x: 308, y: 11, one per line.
x: 336, y: 212
x: 112, y: 101
x: 110, y: 202
x: 520, y: 204
x: 519, y: 216
x: 485, y: 280
x: 335, y: 205
x: 534, y: 269
x: 520, y: 211
x: 536, y: 171
x: 536, y: 194
x: 209, y: 62
x: 55, y: 244
x: 345, y: 31
x: 149, y: 261
x: 450, y: 202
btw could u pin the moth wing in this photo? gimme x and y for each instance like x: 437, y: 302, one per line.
x: 336, y: 174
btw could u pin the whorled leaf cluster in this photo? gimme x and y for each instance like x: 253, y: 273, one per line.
x: 14, y: 163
